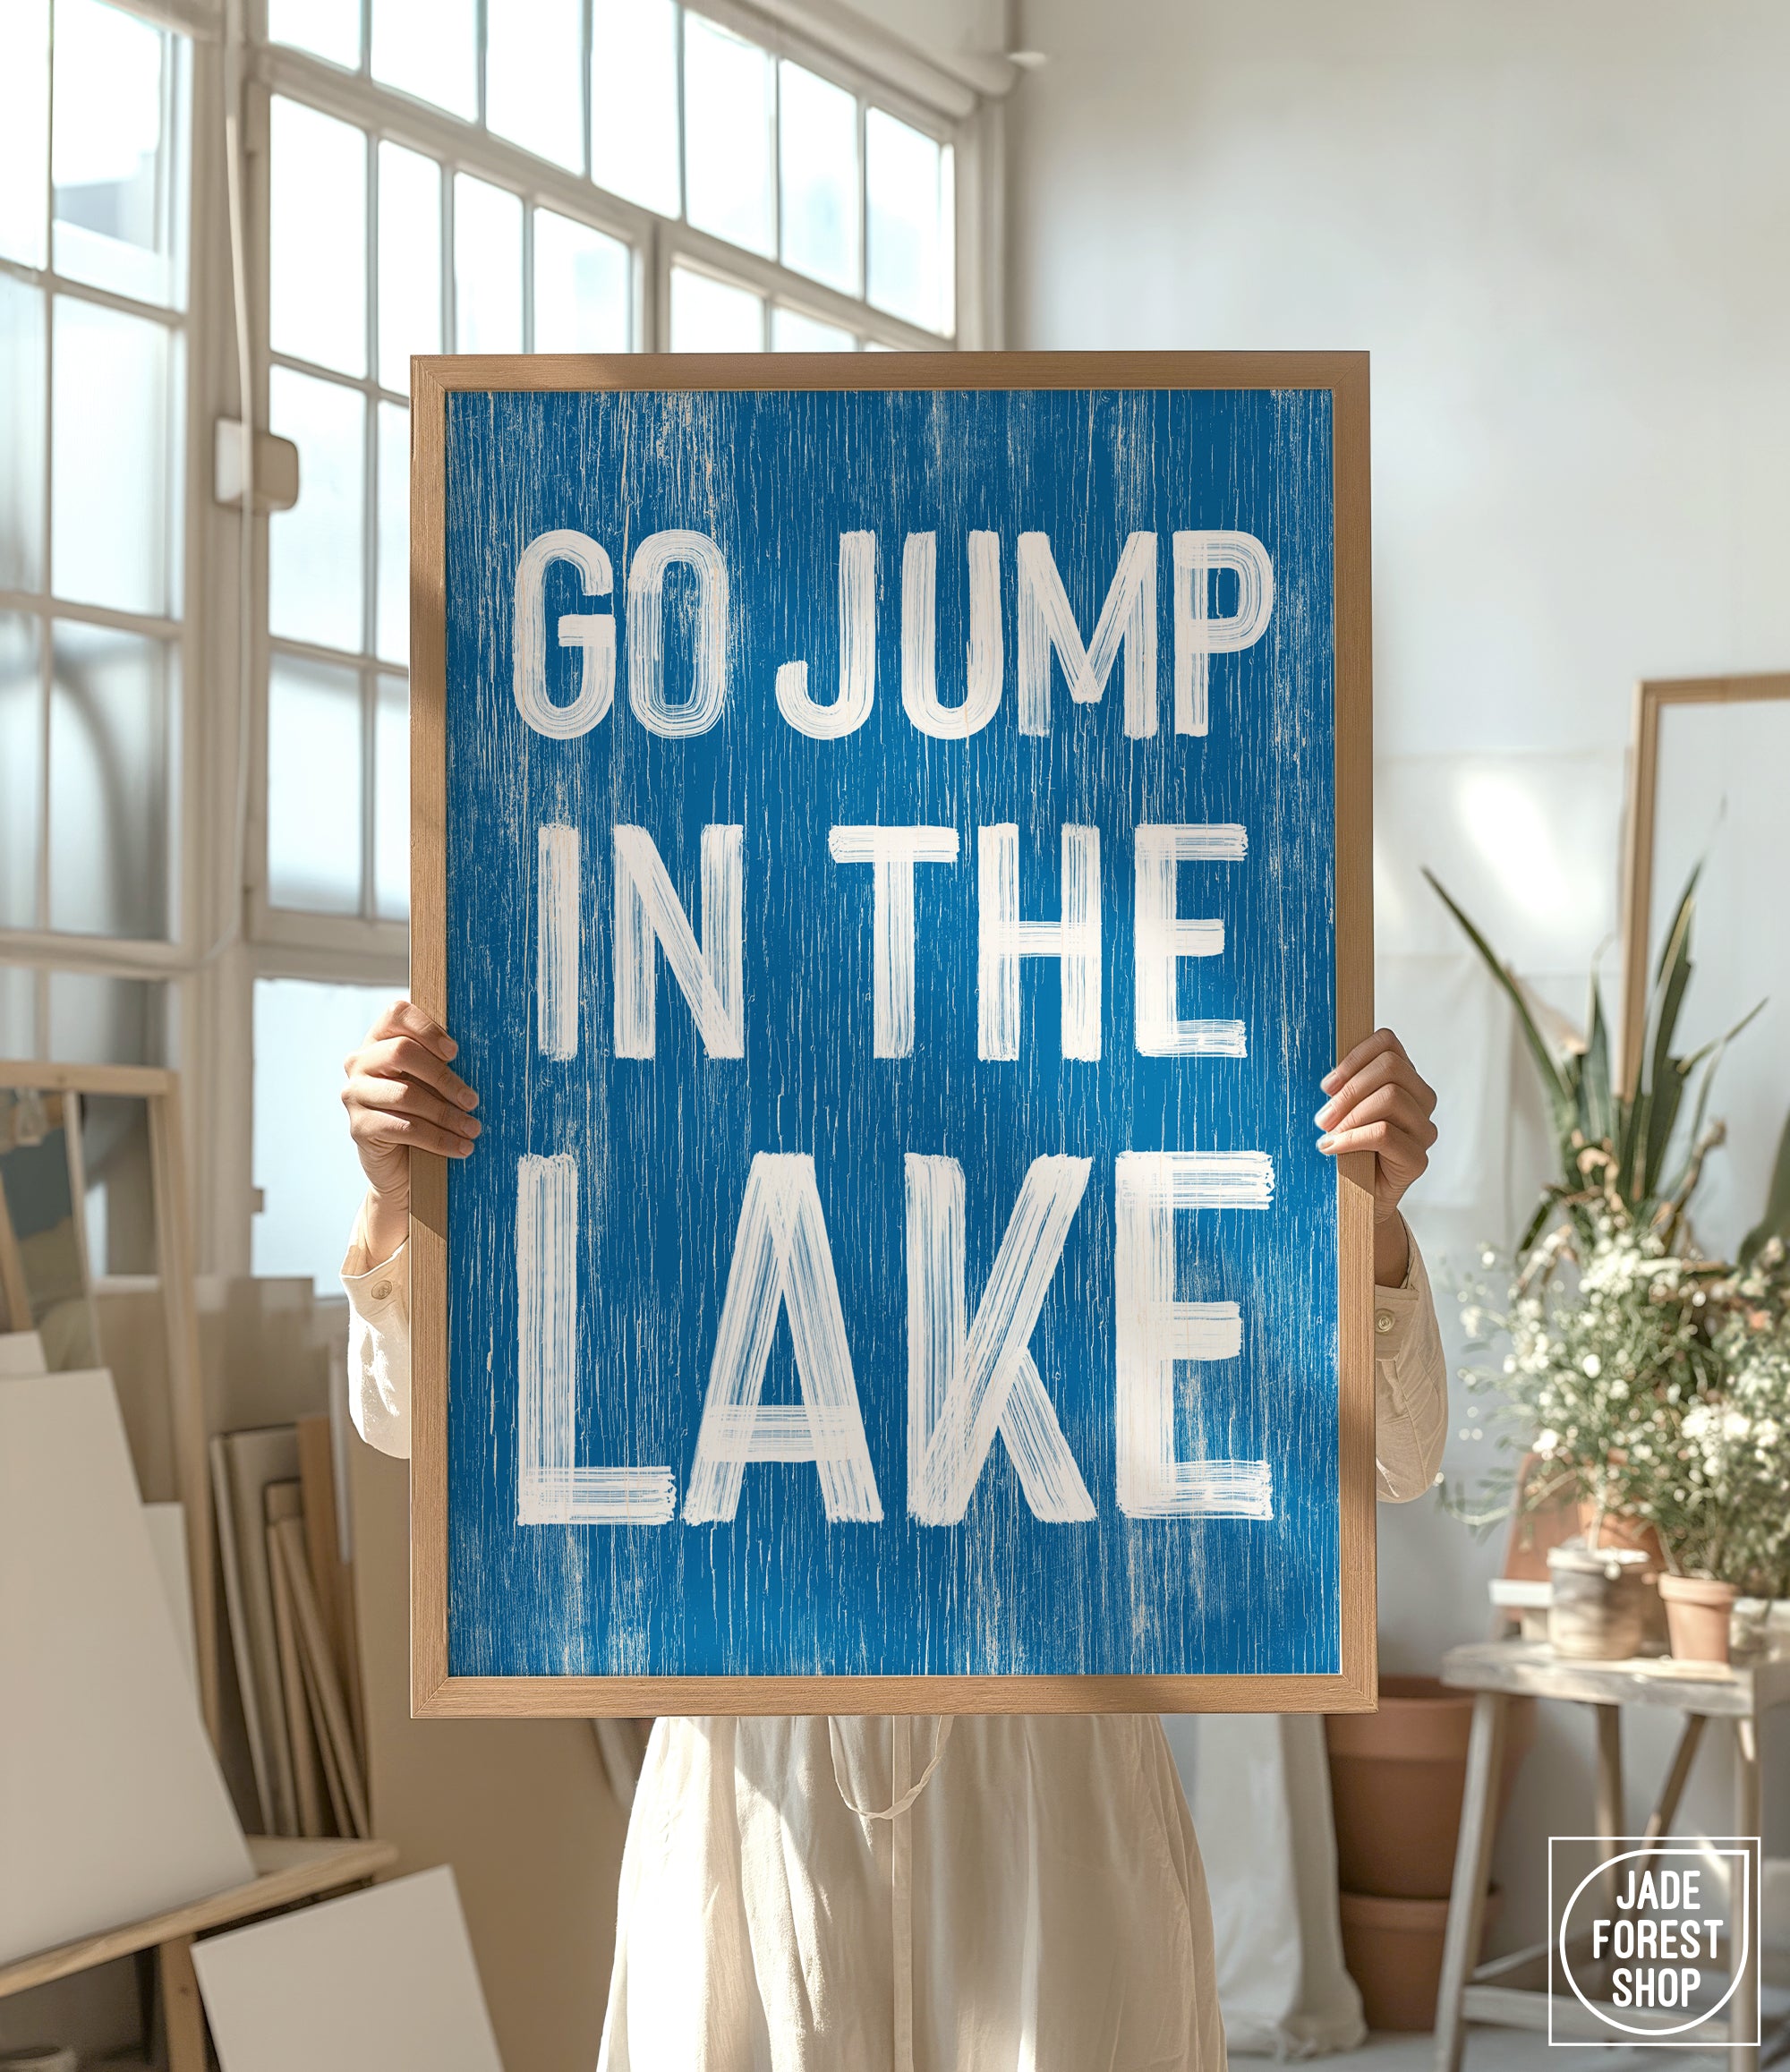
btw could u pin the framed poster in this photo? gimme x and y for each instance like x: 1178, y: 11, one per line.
x: 890, y: 838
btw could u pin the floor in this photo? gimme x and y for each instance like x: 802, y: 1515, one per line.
x: 1524, y: 2050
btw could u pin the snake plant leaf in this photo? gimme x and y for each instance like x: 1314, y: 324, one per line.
x: 1532, y: 1229
x: 1775, y: 1221
x: 1596, y: 1104
x: 1560, y: 1089
x: 1709, y: 1059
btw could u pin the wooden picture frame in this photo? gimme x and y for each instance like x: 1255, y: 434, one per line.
x: 159, y: 1090
x: 436, y: 1692
x: 1651, y: 700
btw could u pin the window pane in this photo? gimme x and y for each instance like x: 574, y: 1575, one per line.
x: 729, y: 118
x: 305, y: 1166
x: 392, y: 612
x: 328, y: 29
x: 430, y: 49
x: 22, y: 435
x: 314, y: 755
x: 18, y: 1011
x: 317, y: 266
x: 112, y: 700
x: 533, y: 91
x: 410, y: 261
x: 106, y: 1021
x: 910, y: 201
x: 119, y: 211
x: 792, y: 332
x: 487, y: 267
x: 818, y: 134
x: 21, y: 769
x: 634, y: 101
x: 391, y: 801
x: 314, y: 575
x: 580, y: 287
x: 24, y: 131
x: 113, y: 447
x: 712, y: 316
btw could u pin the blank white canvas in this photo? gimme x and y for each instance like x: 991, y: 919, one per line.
x: 168, y: 1537
x: 21, y: 1352
x: 383, y: 1980
x: 112, y: 1806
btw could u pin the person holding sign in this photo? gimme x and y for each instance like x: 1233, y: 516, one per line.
x: 811, y: 1894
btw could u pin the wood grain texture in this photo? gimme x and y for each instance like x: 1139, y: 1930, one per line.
x: 428, y: 989
x: 1649, y: 700
x: 439, y: 1690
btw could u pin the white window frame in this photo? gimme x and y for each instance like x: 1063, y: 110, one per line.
x: 42, y: 949
x: 223, y: 933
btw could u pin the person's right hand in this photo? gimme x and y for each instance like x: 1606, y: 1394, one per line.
x: 402, y: 1096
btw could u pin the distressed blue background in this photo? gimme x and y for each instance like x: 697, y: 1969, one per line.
x: 663, y: 1145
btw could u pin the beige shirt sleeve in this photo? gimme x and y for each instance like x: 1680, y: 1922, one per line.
x: 379, y: 1345
x: 1410, y: 1387
x: 1410, y: 1375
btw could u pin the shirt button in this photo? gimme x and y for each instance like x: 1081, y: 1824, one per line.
x: 385, y: 1289
x: 1383, y: 1321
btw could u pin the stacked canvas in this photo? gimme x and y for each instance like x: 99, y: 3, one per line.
x: 289, y: 1604
x: 112, y: 1805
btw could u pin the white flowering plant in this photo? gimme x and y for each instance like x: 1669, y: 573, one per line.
x: 1635, y: 1375
x: 1607, y: 1344
x: 1723, y: 1506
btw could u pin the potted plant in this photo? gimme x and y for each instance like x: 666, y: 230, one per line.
x: 1721, y: 1510
x: 1643, y: 1381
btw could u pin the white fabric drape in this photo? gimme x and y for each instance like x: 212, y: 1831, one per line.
x: 1259, y: 1786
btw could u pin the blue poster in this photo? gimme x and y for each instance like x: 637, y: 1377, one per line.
x: 890, y: 924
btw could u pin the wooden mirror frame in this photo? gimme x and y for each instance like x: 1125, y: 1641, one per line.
x: 159, y: 1090
x: 1649, y: 699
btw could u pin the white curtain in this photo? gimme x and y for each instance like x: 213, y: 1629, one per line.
x: 1259, y: 1787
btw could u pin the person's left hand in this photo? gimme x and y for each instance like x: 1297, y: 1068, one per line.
x: 1379, y: 1103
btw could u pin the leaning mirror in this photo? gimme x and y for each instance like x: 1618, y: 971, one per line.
x: 45, y: 1282
x: 1708, y: 790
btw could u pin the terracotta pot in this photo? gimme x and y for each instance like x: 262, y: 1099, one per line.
x: 1615, y: 1529
x: 1697, y: 1614
x: 1393, y: 1948
x: 1396, y: 1779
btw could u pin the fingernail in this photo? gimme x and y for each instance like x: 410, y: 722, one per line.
x: 1325, y: 1115
x: 453, y: 1049
x: 467, y: 1098
x: 475, y: 1128
x: 1327, y: 1143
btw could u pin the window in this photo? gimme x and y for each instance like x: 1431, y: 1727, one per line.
x: 93, y: 289
x: 421, y: 177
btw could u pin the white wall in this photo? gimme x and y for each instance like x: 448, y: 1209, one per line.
x: 1563, y: 234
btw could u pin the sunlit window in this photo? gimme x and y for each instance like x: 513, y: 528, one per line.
x: 93, y: 289
x: 667, y: 109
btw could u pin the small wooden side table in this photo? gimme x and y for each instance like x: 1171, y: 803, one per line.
x: 1512, y: 1991
x: 286, y: 1873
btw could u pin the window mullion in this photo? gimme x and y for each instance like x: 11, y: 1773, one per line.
x: 682, y: 143
x: 586, y: 57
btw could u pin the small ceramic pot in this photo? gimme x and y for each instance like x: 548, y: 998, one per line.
x: 1599, y: 1608
x: 1698, y: 1612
